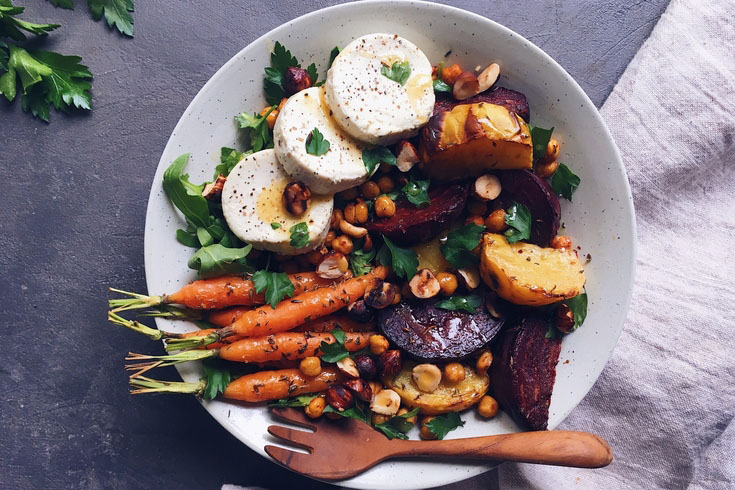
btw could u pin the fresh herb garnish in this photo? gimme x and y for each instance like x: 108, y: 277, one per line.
x: 260, y: 134
x: 275, y: 225
x: 540, y: 140
x: 441, y: 425
x: 417, y: 192
x: 578, y: 307
x: 564, y: 182
x: 457, y: 249
x: 216, y: 260
x: 117, y: 14
x: 404, y: 261
x: 281, y: 60
x: 397, y: 426
x: 65, y: 4
x: 398, y: 72
x: 276, y: 285
x: 299, y: 235
x: 333, y: 54
x: 296, y: 401
x: 186, y: 196
x: 439, y: 84
x: 465, y: 303
x: 355, y: 412
x: 311, y: 71
x: 335, y: 351
x: 218, y: 377
x: 12, y: 27
x: 228, y: 158
x: 372, y: 157
x: 518, y: 219
x: 316, y: 144
x: 360, y: 261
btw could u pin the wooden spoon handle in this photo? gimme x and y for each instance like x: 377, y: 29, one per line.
x: 556, y: 447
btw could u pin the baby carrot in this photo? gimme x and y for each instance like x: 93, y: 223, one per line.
x: 223, y: 318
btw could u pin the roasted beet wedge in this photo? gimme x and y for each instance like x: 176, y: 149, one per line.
x: 527, y: 188
x: 510, y: 99
x: 431, y: 334
x: 523, y: 371
x: 411, y: 225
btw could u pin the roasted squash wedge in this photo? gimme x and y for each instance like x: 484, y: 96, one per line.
x: 526, y: 274
x: 448, y: 397
x: 471, y: 139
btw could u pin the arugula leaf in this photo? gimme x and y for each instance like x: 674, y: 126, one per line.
x: 440, y: 86
x: 260, y: 134
x: 12, y: 27
x: 417, y: 192
x: 228, y: 157
x: 360, y: 261
x: 398, y: 72
x: 465, y: 303
x: 65, y: 4
x: 117, y: 14
x: 404, y: 261
x: 398, y: 425
x: 184, y: 195
x: 371, y: 157
x: 299, y: 235
x: 186, y: 238
x: 335, y: 351
x: 355, y: 412
x: 297, y: 401
x: 333, y: 54
x: 457, y: 249
x: 276, y: 285
x: 564, y: 182
x: 275, y: 225
x: 540, y: 139
x: 441, y: 425
x: 218, y: 377
x: 518, y: 218
x: 217, y: 260
x: 205, y: 238
x: 578, y: 306
x: 316, y: 144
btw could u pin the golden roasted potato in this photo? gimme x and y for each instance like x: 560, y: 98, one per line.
x: 526, y: 274
x: 471, y: 139
x: 448, y: 397
x: 430, y: 256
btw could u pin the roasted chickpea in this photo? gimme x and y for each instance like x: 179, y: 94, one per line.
x: 454, y: 372
x: 477, y: 220
x: 385, y: 207
x: 552, y: 151
x: 476, y: 208
x: 424, y: 432
x: 343, y: 244
x: 488, y: 407
x: 561, y: 242
x: 348, y: 194
x: 546, y: 169
x: 404, y: 411
x: 370, y: 190
x: 315, y: 408
x: 450, y: 73
x: 447, y: 282
x: 495, y: 222
x: 350, y: 213
x: 311, y: 366
x: 484, y: 361
x: 380, y: 419
x: 331, y: 235
x: 378, y: 344
x: 361, y: 212
x: 337, y: 216
x: 386, y: 184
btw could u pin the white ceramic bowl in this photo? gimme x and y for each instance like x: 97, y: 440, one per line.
x: 600, y: 219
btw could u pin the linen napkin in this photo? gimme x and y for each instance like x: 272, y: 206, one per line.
x: 666, y: 399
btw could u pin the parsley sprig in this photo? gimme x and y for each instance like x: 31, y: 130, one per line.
x: 441, y: 425
x: 316, y: 144
x: 439, y: 84
x: 397, y: 426
x: 299, y: 235
x: 465, y: 303
x: 457, y: 248
x: 282, y: 60
x: 276, y: 285
x: 564, y: 182
x: 335, y: 351
x: 518, y: 219
x: 260, y: 134
x: 404, y: 261
x: 372, y: 157
x: 417, y: 192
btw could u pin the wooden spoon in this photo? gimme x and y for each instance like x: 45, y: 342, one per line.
x: 340, y: 449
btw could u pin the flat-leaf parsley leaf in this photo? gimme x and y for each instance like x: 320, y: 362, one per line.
x: 518, y: 219
x: 417, y: 192
x: 117, y: 13
x: 457, y: 249
x: 564, y: 182
x: 441, y: 425
x: 404, y: 261
x: 276, y: 285
x: 372, y: 157
x: 316, y: 144
x: 299, y: 235
x: 335, y: 351
x: 540, y: 139
x: 465, y: 303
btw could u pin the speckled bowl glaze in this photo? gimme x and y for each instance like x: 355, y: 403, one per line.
x: 601, y: 218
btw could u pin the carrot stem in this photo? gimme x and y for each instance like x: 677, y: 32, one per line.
x: 149, y: 332
x: 172, y: 312
x: 136, y: 301
x: 141, y: 384
x: 169, y: 359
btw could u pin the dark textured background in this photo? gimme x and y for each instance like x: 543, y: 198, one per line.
x: 74, y: 198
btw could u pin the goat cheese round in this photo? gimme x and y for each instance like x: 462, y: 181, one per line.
x: 340, y: 168
x: 253, y: 207
x: 370, y: 94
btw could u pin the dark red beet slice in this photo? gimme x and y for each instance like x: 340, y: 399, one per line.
x: 411, y: 225
x: 510, y: 99
x: 523, y: 371
x: 527, y: 188
x: 432, y: 334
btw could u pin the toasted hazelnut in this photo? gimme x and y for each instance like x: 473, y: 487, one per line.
x: 352, y: 230
x: 424, y: 431
x: 348, y: 368
x: 339, y: 397
x: 378, y: 344
x: 359, y: 311
x: 487, y: 187
x: 316, y: 407
x: 213, y: 190
x: 390, y: 362
x: 484, y: 361
x: 295, y: 80
x: 380, y: 294
x: 488, y: 407
x: 366, y: 367
x: 361, y: 388
x: 386, y: 402
x: 488, y: 77
x: 427, y: 377
x: 465, y: 86
x: 407, y: 156
x: 333, y: 265
x: 470, y: 277
x: 450, y: 73
x: 454, y: 372
x: 424, y: 285
x: 296, y: 198
x: 564, y: 319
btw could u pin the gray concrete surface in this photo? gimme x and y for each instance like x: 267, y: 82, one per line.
x: 73, y: 205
